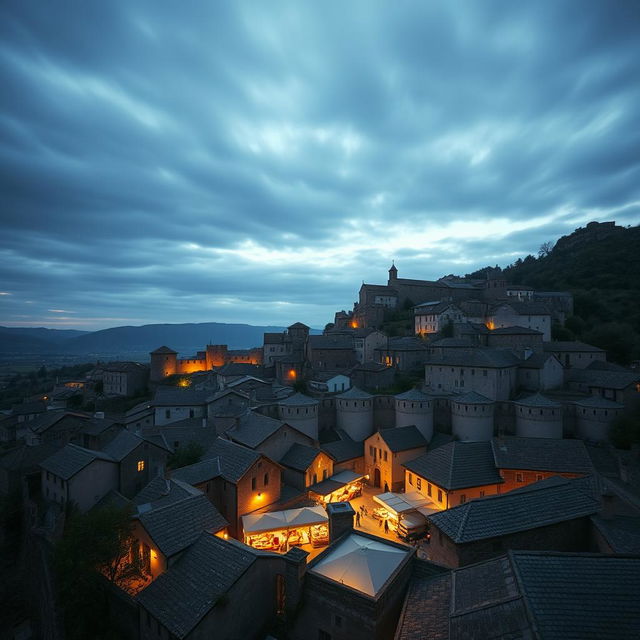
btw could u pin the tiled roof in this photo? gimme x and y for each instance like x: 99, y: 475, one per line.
x: 45, y: 421
x: 413, y: 394
x: 452, y: 343
x: 179, y: 396
x: 536, y: 361
x: 183, y: 595
x: 606, y: 379
x: 432, y: 307
x: 68, y: 461
x: 524, y: 308
x: 122, y: 445
x: 343, y: 450
x: 96, y: 426
x: 370, y: 366
x: 164, y: 349
x: 28, y: 407
x: 254, y: 428
x: 299, y: 457
x: 189, y: 430
x: 298, y: 325
x: 570, y: 345
x: 235, y: 459
x: 273, y: 338
x: 298, y: 400
x: 471, y: 397
x: 178, y: 525
x: 407, y: 343
x: 403, y: 438
x: 25, y: 458
x: 160, y: 492
x: 457, y: 465
x: 598, y: 402
x: 537, y: 400
x: 355, y: 394
x: 537, y: 505
x: 514, y: 331
x: 331, y: 341
x: 541, y: 454
x: 528, y: 596
x: 622, y: 533
x: 483, y: 357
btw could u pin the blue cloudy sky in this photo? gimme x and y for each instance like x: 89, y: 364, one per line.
x: 255, y: 161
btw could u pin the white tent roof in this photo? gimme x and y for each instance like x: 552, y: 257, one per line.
x: 346, y: 476
x: 361, y: 563
x: 402, y: 502
x: 289, y: 519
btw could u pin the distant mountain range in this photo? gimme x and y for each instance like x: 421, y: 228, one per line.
x: 184, y: 338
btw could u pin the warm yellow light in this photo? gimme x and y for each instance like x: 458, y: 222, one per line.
x: 366, y: 477
x: 354, y: 324
x: 140, y: 465
x: 490, y: 325
x: 184, y: 382
x: 292, y: 374
x: 226, y: 536
x: 259, y: 495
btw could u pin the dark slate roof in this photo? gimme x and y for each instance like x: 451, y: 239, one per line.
x: 432, y: 307
x: 537, y: 505
x: 570, y: 345
x: 621, y: 532
x: 581, y: 595
x: 25, y: 458
x: 514, y: 331
x: 331, y: 341
x: 199, y: 472
x: 122, y: 445
x: 370, y: 366
x: 298, y: 400
x: 178, y: 525
x: 355, y: 394
x: 483, y: 357
x: 27, y: 408
x: 413, y: 394
x: 606, y: 379
x: 298, y: 325
x: 299, y: 457
x: 164, y: 349
x: 112, y: 499
x: 541, y: 454
x: 68, y: 461
x: 47, y: 420
x: 536, y: 361
x: 179, y: 396
x: 528, y: 596
x: 160, y: 492
x: 273, y: 338
x: 235, y: 460
x: 183, y: 595
x: 254, y: 428
x: 598, y: 402
x: 457, y: 465
x: 439, y: 439
x: 189, y: 430
x: 524, y: 308
x: 403, y: 438
x: 407, y: 343
x: 471, y: 397
x: 537, y: 400
x: 240, y: 369
x: 455, y: 343
x: 343, y: 450
x: 96, y: 426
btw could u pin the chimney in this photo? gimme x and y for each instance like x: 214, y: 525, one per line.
x: 295, y: 568
x: 341, y: 516
x: 608, y: 507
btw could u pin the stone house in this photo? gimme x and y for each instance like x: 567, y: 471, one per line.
x: 618, y: 385
x: 78, y: 475
x: 98, y: 431
x: 540, y: 372
x: 175, y: 403
x: 574, y: 354
x: 454, y: 473
x: 139, y: 417
x: 552, y: 514
x: 521, y: 461
x: 492, y: 373
x: 139, y: 459
x: 518, y: 339
x: 303, y: 466
x: 124, y: 379
x: 329, y: 382
x: 532, y: 315
x: 372, y: 375
x: 432, y: 317
x: 58, y: 427
x: 347, y: 454
x: 387, y: 450
x: 331, y: 352
x: 236, y: 479
x: 405, y: 354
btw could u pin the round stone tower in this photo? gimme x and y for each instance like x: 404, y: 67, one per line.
x: 164, y: 362
x: 354, y: 413
x: 414, y: 407
x: 594, y: 416
x: 301, y: 412
x: 538, y: 417
x: 472, y: 417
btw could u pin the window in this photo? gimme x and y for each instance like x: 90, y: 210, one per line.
x: 439, y: 495
x: 167, y: 413
x: 192, y: 413
x: 482, y: 493
x: 538, y: 477
x: 429, y: 489
x: 418, y: 483
x: 463, y: 498
x: 411, y: 479
x: 266, y: 479
x: 519, y: 477
x: 338, y: 621
x: 140, y: 465
x: 385, y: 456
x: 253, y: 484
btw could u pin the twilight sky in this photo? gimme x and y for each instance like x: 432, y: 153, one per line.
x: 256, y: 161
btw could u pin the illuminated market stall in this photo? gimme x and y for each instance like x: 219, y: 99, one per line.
x: 279, y: 530
x: 403, y: 511
x: 341, y: 487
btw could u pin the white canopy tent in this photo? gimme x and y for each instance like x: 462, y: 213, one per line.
x: 280, y: 520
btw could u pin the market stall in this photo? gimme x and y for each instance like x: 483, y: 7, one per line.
x: 341, y: 487
x: 279, y: 530
x: 403, y: 512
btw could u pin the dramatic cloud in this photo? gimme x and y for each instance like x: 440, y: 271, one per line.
x: 255, y: 161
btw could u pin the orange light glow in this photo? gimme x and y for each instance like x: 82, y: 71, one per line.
x: 490, y: 326
x: 185, y: 382
x: 354, y: 324
x: 292, y: 374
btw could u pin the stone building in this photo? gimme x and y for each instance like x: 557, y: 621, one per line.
x: 303, y: 466
x: 415, y: 408
x: 354, y: 413
x: 124, y: 379
x: 472, y: 417
x: 538, y: 417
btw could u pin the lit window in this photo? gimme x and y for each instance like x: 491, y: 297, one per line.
x: 140, y: 465
x: 519, y: 477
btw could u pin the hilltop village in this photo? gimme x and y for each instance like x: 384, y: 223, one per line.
x: 433, y: 465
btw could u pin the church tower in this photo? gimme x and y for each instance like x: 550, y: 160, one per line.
x: 393, y: 273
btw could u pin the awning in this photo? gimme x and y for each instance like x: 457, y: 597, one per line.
x: 335, y: 482
x: 400, y: 503
x: 289, y: 519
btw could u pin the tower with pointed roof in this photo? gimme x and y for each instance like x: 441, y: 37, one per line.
x: 393, y: 273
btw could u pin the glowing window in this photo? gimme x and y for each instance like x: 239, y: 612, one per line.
x: 140, y: 465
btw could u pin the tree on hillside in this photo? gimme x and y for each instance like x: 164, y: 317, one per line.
x: 94, y: 543
x: 545, y: 249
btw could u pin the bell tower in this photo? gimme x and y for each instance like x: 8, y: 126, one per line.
x: 393, y: 273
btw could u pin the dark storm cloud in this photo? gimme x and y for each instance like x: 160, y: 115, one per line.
x: 257, y: 161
